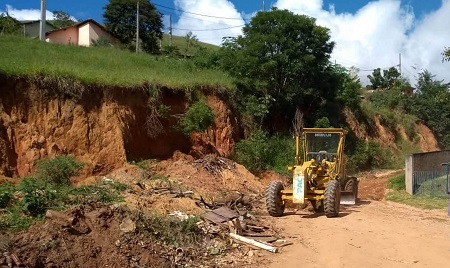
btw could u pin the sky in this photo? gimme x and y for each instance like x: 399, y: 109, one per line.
x: 368, y: 34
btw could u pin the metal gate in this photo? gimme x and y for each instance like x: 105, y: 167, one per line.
x: 431, y: 183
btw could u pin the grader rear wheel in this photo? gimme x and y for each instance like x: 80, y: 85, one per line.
x: 274, y: 203
x: 332, y: 198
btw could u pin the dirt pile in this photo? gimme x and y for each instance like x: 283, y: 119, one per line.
x: 181, y: 183
x: 95, y: 235
x: 232, y: 181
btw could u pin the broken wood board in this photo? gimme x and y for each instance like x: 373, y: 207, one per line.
x: 220, y: 215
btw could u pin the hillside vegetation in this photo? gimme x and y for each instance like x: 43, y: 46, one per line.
x: 271, y: 74
x: 104, y: 66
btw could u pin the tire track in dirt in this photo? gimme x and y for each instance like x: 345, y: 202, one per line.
x: 370, y: 234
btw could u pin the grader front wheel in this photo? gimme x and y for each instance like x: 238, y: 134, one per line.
x: 332, y: 198
x: 352, y: 186
x: 274, y: 202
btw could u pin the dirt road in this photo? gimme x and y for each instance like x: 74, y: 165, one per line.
x: 370, y: 234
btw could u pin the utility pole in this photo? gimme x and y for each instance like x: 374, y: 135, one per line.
x: 43, y: 21
x: 137, y: 26
x: 264, y: 7
x: 170, y: 30
x: 400, y: 63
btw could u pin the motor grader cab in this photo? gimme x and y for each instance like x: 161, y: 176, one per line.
x: 319, y: 174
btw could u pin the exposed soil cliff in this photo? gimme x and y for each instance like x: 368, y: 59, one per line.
x: 106, y: 127
x: 101, y: 127
x: 422, y: 137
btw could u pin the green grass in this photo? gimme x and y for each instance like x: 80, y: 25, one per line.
x: 180, y: 42
x: 397, y: 183
x: 103, y: 66
x: 417, y: 201
x: 399, y: 195
x: 17, y: 216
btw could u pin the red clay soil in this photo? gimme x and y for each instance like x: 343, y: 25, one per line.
x: 373, y: 185
x: 91, y: 238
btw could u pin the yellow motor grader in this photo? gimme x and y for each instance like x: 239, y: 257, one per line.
x: 319, y: 174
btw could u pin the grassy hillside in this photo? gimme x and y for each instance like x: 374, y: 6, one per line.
x: 181, y: 43
x: 105, y: 66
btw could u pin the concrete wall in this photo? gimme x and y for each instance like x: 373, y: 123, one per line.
x: 97, y: 32
x: 83, y: 35
x: 409, y: 174
x: 32, y: 29
x: 65, y: 36
x: 431, y: 161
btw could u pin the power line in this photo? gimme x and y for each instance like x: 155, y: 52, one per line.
x: 204, y: 15
x: 207, y: 30
x: 194, y: 18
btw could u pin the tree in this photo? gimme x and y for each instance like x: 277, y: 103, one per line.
x: 283, y: 56
x: 191, y: 41
x: 385, y: 81
x: 62, y: 19
x: 349, y: 87
x: 446, y: 54
x: 431, y: 103
x: 9, y: 25
x: 120, y: 20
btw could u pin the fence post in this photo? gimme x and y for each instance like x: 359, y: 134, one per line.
x: 409, y: 174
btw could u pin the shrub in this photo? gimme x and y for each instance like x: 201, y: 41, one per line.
x: 282, y: 153
x: 197, y: 118
x: 14, y: 220
x: 102, y: 192
x: 38, y: 196
x: 323, y: 122
x: 254, y: 151
x: 58, y: 170
x: 6, y: 194
x: 397, y: 183
x: 171, y: 231
x: 368, y: 155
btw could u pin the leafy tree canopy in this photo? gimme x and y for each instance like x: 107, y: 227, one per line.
x: 431, y: 103
x: 446, y: 54
x: 120, y: 20
x: 385, y: 80
x: 9, y: 25
x: 62, y: 19
x: 284, y: 56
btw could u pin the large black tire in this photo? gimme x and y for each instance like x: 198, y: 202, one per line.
x: 274, y: 203
x: 332, y: 198
x: 352, y: 186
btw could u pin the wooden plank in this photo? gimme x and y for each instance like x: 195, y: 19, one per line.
x: 213, y: 217
x: 226, y: 213
x: 265, y: 239
x: 281, y: 243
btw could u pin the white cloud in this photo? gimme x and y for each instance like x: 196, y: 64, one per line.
x: 370, y: 38
x: 223, y: 20
x: 26, y: 14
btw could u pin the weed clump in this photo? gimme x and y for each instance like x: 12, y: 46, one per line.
x: 6, y: 194
x: 58, y: 170
x: 197, y: 118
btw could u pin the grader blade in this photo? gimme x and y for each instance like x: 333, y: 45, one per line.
x: 348, y: 198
